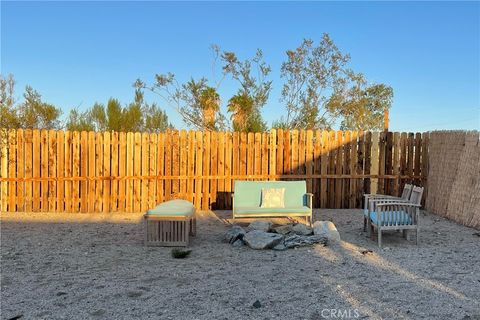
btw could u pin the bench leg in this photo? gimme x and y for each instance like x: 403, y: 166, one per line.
x: 193, y: 226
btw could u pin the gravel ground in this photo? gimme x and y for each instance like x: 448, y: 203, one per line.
x: 59, y: 266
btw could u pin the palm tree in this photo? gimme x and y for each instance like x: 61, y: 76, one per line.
x: 241, y: 106
x: 210, y: 104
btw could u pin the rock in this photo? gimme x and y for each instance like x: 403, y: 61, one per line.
x: 257, y: 239
x: 134, y: 294
x: 302, y: 229
x: 280, y: 247
x: 326, y: 229
x: 296, y: 240
x: 238, y: 243
x: 257, y: 304
x: 285, y: 229
x: 99, y: 312
x: 233, y: 234
x: 262, y: 225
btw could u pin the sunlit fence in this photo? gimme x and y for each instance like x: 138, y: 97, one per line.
x: 59, y: 171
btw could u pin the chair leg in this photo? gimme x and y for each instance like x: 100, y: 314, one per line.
x: 417, y: 235
x: 364, y: 224
x: 379, y: 231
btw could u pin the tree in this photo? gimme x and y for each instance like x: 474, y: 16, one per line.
x: 253, y: 93
x: 310, y: 72
x: 79, y: 121
x: 136, y: 116
x: 320, y: 90
x: 8, y: 117
x: 361, y: 106
x: 32, y: 113
x: 197, y: 103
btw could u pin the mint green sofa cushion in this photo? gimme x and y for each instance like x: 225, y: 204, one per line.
x: 249, y: 193
x: 181, y: 208
x: 255, y: 210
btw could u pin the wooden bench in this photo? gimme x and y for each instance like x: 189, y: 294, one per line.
x: 170, y: 224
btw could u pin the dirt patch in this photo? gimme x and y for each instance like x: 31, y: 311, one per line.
x: 72, y: 266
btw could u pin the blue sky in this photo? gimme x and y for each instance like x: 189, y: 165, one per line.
x: 76, y: 53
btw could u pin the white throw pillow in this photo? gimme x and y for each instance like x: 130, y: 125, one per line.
x: 273, y: 198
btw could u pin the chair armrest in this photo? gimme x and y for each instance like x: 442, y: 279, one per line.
x: 381, y: 196
x: 398, y: 204
x: 376, y: 201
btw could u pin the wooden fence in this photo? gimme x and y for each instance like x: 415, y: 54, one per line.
x: 131, y: 172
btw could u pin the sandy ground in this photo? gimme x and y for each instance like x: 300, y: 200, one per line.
x: 90, y: 266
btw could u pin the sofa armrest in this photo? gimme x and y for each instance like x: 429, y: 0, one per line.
x: 309, y: 200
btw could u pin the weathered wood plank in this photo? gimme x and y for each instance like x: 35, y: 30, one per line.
x: 352, y: 199
x: 106, y: 171
x: 339, y: 169
x: 280, y: 156
x: 294, y: 147
x: 84, y: 171
x: 114, y: 172
x: 309, y: 159
x: 395, y: 163
x: 68, y: 171
x: 145, y: 183
x: 12, y: 170
x: 213, y: 169
x: 324, y: 162
x: 20, y: 170
x: 168, y: 165
x: 221, y: 196
x: 198, y: 169
x: 206, y: 170
x: 332, y: 155
x: 272, y: 152
x: 160, y: 166
x: 4, y: 170
x: 287, y: 152
x: 175, y: 163
x: 152, y: 163
x: 29, y: 168
x: 191, y: 165
x: 91, y: 171
x: 76, y: 171
x: 99, y: 172
x: 228, y: 168
x: 417, y: 171
x: 375, y: 161
x: 183, y: 163
x: 346, y: 168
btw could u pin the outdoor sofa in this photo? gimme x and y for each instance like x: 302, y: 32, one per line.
x: 247, y: 200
